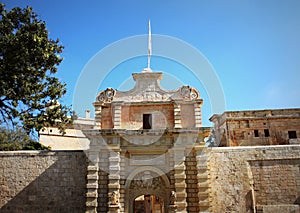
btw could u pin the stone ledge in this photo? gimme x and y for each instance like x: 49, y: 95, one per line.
x: 238, y: 148
x: 142, y: 132
x: 40, y: 153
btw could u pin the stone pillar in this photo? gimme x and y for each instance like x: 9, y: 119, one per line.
x: 177, y: 116
x: 92, y: 188
x: 114, y: 181
x: 117, y: 116
x: 198, y: 115
x: 98, y: 117
x: 179, y: 180
x: 202, y: 177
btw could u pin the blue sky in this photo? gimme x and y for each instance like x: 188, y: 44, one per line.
x: 253, y: 45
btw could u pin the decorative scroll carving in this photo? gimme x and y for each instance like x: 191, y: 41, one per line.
x: 106, y: 96
x: 146, y: 180
x: 189, y: 93
x: 114, y: 198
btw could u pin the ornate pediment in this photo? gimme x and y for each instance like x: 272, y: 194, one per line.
x: 147, y: 89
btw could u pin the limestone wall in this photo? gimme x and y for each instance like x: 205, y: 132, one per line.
x: 132, y: 116
x: 37, y: 181
x: 240, y: 179
x: 187, y: 115
x: 266, y: 177
x: 107, y: 118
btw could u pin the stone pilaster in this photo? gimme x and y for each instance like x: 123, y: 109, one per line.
x: 117, y: 116
x: 98, y: 117
x: 103, y: 180
x: 202, y: 177
x: 177, y: 116
x: 171, y: 206
x: 179, y: 178
x: 198, y: 115
x: 114, y: 181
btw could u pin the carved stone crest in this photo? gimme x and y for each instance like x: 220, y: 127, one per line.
x: 146, y: 180
x: 189, y: 93
x: 106, y: 96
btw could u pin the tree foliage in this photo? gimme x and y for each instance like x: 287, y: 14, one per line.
x: 29, y: 91
x: 17, y: 139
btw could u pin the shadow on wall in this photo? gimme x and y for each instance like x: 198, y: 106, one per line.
x: 249, y: 202
x: 43, y: 181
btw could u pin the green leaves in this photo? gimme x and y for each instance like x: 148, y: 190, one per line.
x: 18, y: 139
x: 28, y: 60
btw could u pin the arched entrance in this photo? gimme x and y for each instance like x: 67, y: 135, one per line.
x: 147, y: 184
x: 148, y: 204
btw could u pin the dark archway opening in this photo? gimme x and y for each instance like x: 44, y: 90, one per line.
x: 148, y: 204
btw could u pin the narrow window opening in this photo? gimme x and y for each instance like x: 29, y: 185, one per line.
x: 247, y: 124
x: 292, y: 134
x: 255, y: 133
x: 147, y: 121
x: 267, y: 133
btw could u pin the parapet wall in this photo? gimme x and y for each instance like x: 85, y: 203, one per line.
x: 39, y: 181
x: 264, y: 178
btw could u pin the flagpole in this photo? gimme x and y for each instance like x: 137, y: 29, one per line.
x: 149, y: 45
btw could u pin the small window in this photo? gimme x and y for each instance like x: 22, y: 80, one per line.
x: 147, y: 121
x: 267, y: 133
x: 292, y: 134
x: 247, y: 124
x: 50, y: 130
x: 255, y: 133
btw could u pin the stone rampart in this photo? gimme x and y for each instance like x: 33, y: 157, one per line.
x: 240, y: 179
x: 257, y: 178
x: 39, y: 181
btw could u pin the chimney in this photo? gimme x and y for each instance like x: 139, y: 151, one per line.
x: 87, y: 113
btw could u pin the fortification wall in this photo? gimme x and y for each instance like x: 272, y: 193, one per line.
x: 39, y: 181
x: 264, y: 177
x: 241, y: 179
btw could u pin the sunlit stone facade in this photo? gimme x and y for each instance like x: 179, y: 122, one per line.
x: 147, y: 146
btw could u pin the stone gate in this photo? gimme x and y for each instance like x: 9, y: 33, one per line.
x: 147, y: 142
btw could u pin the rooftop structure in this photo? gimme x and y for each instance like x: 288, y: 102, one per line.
x: 257, y: 127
